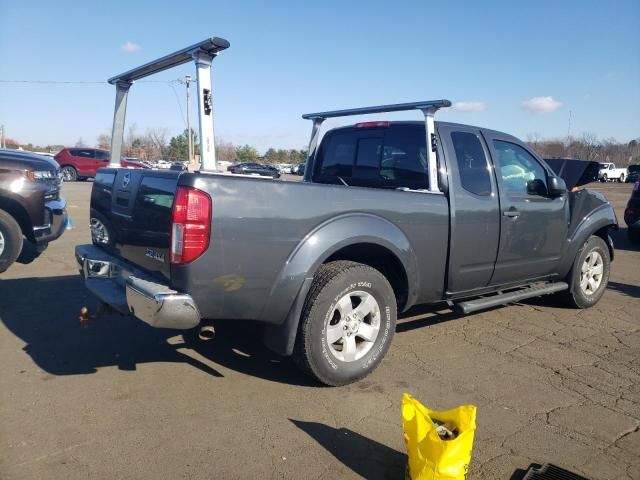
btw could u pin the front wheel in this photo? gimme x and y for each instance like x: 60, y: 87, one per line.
x: 347, y: 323
x: 590, y: 274
x: 621, y: 178
x: 10, y: 240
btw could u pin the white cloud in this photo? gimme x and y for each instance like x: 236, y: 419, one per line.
x: 130, y: 47
x: 541, y: 105
x: 469, y: 106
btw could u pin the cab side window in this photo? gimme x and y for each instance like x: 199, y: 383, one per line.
x: 520, y: 172
x: 472, y: 163
x: 82, y: 153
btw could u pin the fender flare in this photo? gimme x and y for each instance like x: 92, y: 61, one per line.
x: 600, y: 219
x: 286, y: 299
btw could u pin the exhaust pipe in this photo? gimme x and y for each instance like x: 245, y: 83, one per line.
x: 206, y: 333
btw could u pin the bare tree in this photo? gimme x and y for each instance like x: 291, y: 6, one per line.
x: 156, y: 143
x: 80, y: 143
x: 104, y: 141
x: 226, y: 151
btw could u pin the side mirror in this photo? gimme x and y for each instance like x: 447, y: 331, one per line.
x: 557, y: 187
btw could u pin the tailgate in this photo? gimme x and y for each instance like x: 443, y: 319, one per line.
x: 137, y: 206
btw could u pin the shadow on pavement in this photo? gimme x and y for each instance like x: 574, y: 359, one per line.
x: 44, y: 314
x: 366, y: 457
x: 625, y: 289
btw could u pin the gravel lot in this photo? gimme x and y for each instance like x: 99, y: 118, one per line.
x: 118, y: 399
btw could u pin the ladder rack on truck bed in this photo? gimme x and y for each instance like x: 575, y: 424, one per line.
x: 202, y: 54
x: 428, y: 108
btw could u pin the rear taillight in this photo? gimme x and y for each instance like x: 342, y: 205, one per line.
x: 372, y: 124
x: 191, y: 227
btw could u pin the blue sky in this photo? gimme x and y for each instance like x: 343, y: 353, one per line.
x: 288, y: 58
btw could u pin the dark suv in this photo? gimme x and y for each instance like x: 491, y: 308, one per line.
x: 249, y: 168
x: 632, y: 214
x: 80, y: 163
x: 30, y: 204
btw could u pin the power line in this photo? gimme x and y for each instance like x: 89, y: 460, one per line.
x: 77, y: 82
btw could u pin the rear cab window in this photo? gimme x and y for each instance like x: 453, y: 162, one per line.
x: 475, y: 175
x: 380, y: 157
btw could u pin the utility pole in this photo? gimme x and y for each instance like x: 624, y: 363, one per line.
x: 187, y: 81
x: 2, y: 144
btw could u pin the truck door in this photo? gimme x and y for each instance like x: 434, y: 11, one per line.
x: 533, y: 224
x: 475, y: 209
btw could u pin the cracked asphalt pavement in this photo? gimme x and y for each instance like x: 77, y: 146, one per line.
x: 117, y: 399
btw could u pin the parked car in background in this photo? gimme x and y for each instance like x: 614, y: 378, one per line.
x: 632, y: 214
x: 284, y: 168
x: 633, y: 173
x: 31, y: 208
x: 299, y: 169
x: 609, y: 172
x: 179, y: 166
x: 82, y: 163
x: 250, y: 168
x: 223, y: 165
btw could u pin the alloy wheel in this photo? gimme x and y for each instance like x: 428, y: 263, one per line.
x: 353, y: 326
x: 591, y: 273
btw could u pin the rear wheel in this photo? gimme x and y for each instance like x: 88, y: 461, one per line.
x: 69, y: 173
x: 347, y: 323
x: 621, y: 178
x: 10, y: 240
x: 590, y: 274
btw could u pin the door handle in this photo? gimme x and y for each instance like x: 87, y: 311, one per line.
x: 511, y: 213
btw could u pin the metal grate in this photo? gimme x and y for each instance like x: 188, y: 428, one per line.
x: 551, y: 472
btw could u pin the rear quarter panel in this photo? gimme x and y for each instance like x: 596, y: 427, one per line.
x: 268, y: 236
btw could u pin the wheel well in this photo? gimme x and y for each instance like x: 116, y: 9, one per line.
x: 603, y: 233
x: 19, y: 214
x: 383, y: 260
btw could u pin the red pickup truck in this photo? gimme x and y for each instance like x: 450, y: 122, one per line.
x: 80, y: 163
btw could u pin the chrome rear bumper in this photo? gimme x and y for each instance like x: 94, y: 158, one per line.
x: 130, y: 290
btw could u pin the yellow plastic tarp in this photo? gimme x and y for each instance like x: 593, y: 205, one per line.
x: 430, y: 457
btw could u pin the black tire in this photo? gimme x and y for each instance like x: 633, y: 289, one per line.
x: 96, y: 222
x: 335, y: 281
x: 69, y: 173
x: 621, y: 179
x: 10, y: 240
x: 605, y: 178
x: 576, y: 296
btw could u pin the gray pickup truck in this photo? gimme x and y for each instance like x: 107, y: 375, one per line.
x: 389, y: 215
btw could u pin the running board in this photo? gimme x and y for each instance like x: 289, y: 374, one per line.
x: 509, y: 297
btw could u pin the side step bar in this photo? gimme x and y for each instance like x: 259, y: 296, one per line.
x: 509, y: 297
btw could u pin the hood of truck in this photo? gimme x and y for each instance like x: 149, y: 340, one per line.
x: 575, y: 173
x: 20, y: 160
